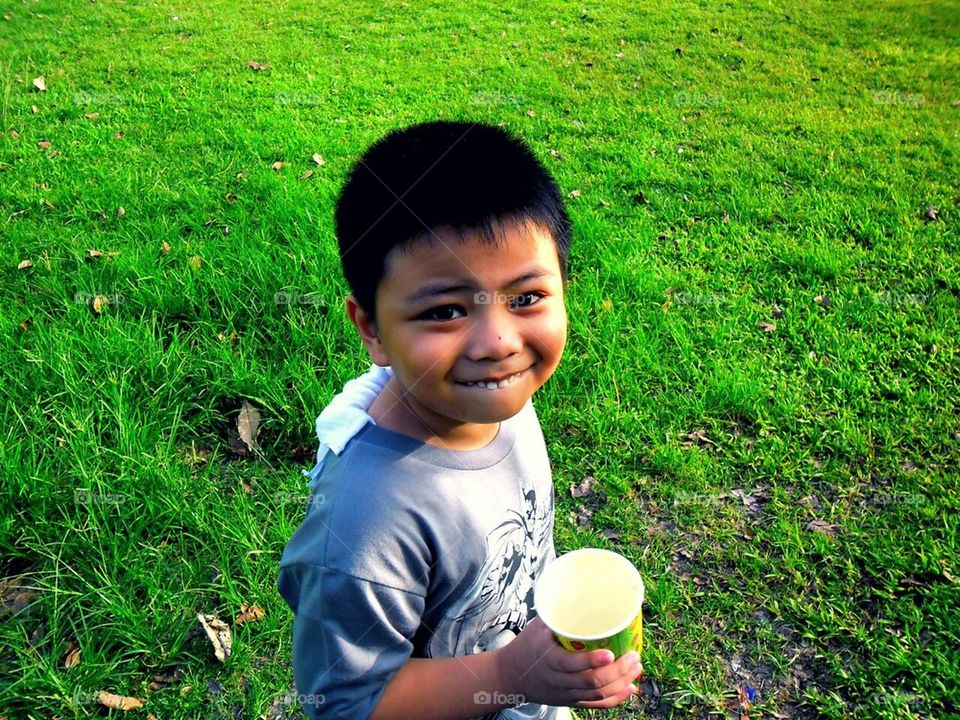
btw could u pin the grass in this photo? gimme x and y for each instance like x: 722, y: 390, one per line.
x: 728, y: 158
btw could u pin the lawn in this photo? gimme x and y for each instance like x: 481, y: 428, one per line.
x: 758, y: 403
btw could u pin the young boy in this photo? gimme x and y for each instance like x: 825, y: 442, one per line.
x: 411, y: 577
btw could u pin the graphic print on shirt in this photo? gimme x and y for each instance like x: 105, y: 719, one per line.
x: 498, y: 604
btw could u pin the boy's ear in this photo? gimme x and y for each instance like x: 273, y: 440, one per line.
x: 368, y: 331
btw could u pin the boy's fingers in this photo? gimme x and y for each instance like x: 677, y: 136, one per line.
x: 609, y: 702
x: 574, y: 662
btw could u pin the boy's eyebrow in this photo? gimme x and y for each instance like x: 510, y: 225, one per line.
x: 441, y: 288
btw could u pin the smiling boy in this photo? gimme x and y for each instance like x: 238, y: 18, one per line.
x: 411, y: 576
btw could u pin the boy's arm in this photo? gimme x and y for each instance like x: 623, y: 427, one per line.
x: 454, y: 688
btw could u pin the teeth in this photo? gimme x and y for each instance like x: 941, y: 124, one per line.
x: 490, y: 385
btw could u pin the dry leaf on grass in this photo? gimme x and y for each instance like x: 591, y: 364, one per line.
x: 72, y: 658
x: 822, y: 526
x: 99, y: 303
x: 583, y: 489
x: 249, y: 613
x: 256, y: 66
x: 767, y: 327
x: 119, y: 702
x: 219, y: 633
x: 24, y: 264
x: 318, y: 159
x: 278, y: 165
x: 247, y: 424
x: 40, y: 84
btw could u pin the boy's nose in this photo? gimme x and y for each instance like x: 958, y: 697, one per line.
x: 495, y: 335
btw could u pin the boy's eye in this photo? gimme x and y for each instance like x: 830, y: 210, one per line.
x: 527, y: 299
x: 447, y: 312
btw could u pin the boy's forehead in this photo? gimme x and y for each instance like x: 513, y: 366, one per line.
x: 518, y: 234
x: 446, y: 252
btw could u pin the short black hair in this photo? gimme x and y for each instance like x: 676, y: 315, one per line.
x: 453, y: 174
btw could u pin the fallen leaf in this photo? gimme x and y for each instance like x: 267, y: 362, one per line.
x: 767, y: 327
x: 219, y: 633
x: 582, y: 516
x: 230, y: 197
x: 278, y: 164
x: 45, y: 144
x: 25, y: 325
x: 92, y: 116
x: 99, y: 303
x: 73, y: 656
x: 34, y: 109
x: 583, y: 489
x: 307, y: 175
x: 822, y: 526
x: 24, y: 264
x: 748, y: 500
x: 40, y: 84
x: 822, y: 300
x: 118, y: 135
x: 254, y: 65
x: 247, y: 424
x: 318, y: 160
x: 574, y: 193
x: 932, y: 213
x: 531, y: 113
x: 94, y: 253
x: 726, y: 218
x: 119, y: 702
x: 777, y: 311
x: 249, y: 613
x: 121, y: 212
x: 700, y: 437
x: 607, y: 305
x: 165, y: 247
x: 14, y: 134
x: 610, y: 534
x: 161, y: 680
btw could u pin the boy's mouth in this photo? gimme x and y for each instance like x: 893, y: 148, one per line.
x: 491, y: 385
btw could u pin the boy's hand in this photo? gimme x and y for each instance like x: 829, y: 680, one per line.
x: 535, y: 666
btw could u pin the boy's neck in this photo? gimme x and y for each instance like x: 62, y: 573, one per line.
x: 391, y: 410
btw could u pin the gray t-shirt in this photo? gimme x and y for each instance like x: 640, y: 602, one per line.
x: 409, y: 549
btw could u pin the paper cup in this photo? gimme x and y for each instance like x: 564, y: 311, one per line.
x: 592, y: 599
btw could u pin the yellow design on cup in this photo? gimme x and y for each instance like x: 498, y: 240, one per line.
x: 592, y: 599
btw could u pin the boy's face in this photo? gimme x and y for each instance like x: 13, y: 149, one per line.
x: 452, y: 313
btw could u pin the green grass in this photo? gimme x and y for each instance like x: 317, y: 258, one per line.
x: 813, y: 139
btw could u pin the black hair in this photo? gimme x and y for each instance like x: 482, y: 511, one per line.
x: 465, y: 176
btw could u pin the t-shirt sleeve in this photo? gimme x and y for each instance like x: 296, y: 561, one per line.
x: 350, y: 637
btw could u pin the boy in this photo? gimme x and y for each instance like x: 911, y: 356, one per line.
x: 412, y: 575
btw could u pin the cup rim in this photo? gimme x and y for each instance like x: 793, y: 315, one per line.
x: 616, y: 629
